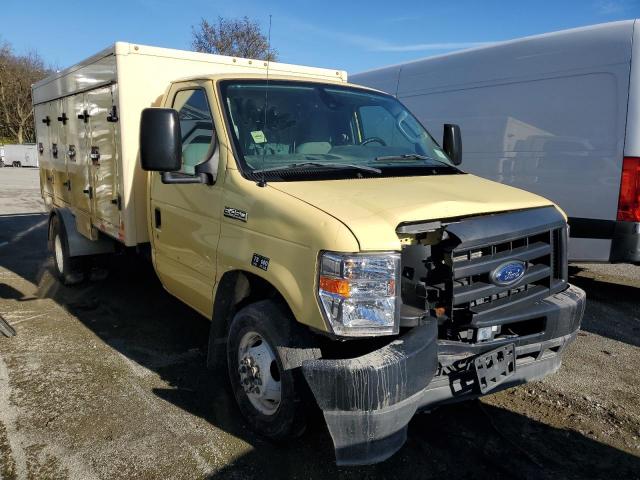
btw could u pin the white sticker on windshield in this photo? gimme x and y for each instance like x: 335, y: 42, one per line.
x: 440, y: 154
x: 259, y: 136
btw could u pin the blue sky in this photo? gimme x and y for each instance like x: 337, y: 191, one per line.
x: 344, y: 34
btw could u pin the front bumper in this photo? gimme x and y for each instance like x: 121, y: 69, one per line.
x: 368, y: 401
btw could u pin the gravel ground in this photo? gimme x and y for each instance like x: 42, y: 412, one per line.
x: 107, y: 380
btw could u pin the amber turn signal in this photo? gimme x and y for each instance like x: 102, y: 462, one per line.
x: 335, y: 285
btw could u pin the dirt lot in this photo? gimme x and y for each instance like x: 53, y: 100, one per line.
x: 107, y: 380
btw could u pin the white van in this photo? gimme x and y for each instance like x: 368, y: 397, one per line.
x: 556, y: 114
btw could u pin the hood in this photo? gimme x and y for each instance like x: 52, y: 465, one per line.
x: 372, y: 208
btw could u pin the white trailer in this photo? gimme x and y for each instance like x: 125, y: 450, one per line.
x: 556, y: 114
x: 25, y: 155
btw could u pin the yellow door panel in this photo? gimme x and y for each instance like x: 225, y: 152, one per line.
x: 186, y: 241
x: 186, y: 218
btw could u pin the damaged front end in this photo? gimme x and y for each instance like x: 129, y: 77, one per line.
x: 486, y: 305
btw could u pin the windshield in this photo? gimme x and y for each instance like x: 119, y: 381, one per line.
x: 309, y: 127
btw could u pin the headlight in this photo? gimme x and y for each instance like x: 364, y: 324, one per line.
x: 359, y: 293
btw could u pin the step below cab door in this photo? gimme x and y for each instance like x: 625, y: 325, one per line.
x: 103, y: 157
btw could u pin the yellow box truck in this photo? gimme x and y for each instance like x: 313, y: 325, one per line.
x: 340, y: 253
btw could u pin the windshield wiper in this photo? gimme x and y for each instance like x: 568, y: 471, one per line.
x: 410, y: 157
x: 340, y: 166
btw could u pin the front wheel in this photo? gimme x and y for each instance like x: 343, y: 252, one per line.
x: 269, y: 397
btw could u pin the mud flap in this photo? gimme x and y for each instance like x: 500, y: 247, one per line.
x: 368, y: 401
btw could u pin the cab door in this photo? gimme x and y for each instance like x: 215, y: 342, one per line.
x: 186, y: 217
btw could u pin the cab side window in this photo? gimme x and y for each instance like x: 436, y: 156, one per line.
x: 196, y: 125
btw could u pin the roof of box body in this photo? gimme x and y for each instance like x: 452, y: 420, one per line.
x: 54, y: 87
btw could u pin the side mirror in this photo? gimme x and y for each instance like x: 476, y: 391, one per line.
x: 452, y: 142
x: 160, y: 140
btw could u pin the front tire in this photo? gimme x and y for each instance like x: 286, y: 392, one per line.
x: 269, y: 397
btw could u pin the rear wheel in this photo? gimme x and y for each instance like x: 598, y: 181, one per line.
x: 68, y: 269
x: 269, y: 397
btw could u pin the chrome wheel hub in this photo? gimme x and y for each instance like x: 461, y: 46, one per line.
x: 259, y: 373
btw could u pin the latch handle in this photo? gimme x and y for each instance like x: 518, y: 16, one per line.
x: 113, y: 116
x: 95, y: 155
x: 84, y: 116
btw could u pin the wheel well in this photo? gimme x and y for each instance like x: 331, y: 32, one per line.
x: 236, y: 289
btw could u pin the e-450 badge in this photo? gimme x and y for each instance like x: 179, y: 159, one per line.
x: 260, y: 262
x: 235, y: 213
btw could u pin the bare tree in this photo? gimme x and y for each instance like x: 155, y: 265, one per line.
x: 234, y: 37
x: 17, y: 74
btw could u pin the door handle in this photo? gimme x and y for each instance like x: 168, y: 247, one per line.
x: 158, y: 218
x: 88, y: 191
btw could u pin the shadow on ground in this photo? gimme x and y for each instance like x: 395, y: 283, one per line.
x: 621, y: 323
x: 132, y: 313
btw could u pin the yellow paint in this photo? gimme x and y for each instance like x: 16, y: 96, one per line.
x: 372, y: 208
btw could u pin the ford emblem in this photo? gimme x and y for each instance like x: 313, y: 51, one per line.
x: 508, y: 273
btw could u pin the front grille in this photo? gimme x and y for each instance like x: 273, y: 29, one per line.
x: 474, y: 295
x: 452, y: 278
